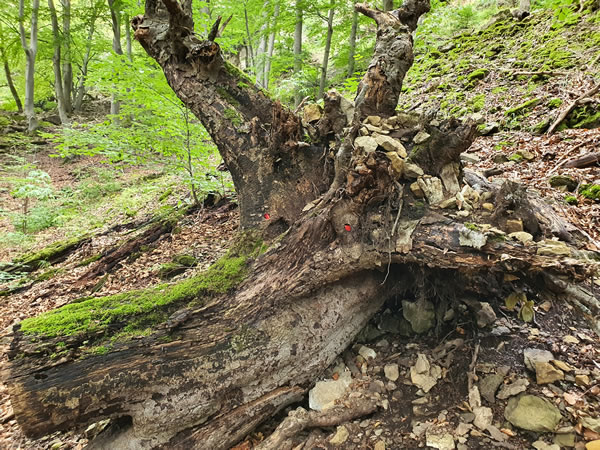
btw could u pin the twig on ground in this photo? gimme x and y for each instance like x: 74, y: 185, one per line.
x: 565, y: 159
x: 562, y: 116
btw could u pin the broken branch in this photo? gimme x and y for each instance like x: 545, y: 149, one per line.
x: 570, y: 108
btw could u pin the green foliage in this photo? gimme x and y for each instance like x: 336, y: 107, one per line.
x: 571, y: 200
x: 554, y: 103
x: 523, y: 107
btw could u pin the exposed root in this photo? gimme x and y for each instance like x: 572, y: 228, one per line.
x: 301, y: 419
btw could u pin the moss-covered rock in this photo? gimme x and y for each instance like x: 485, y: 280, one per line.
x: 569, y: 183
x: 477, y: 74
x: 591, y: 191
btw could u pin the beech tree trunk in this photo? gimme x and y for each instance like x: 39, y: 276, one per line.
x: 11, y: 85
x: 298, y: 46
x: 30, y: 50
x: 349, y: 238
x: 115, y: 105
x: 325, y: 62
x: 56, y: 65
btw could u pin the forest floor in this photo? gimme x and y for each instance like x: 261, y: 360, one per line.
x: 397, y: 369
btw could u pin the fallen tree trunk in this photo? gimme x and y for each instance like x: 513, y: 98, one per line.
x: 397, y: 217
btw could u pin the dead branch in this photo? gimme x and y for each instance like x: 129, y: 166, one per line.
x: 301, y: 419
x: 570, y: 108
x: 584, y: 161
x: 220, y: 33
x: 564, y: 160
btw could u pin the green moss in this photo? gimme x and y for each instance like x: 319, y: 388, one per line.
x: 554, y: 103
x: 145, y: 307
x: 243, y: 85
x: 477, y: 74
x: 88, y: 261
x: 471, y: 226
x: 49, y: 274
x: 515, y: 157
x: 519, y: 109
x: 571, y: 200
x: 591, y: 191
x: 165, y: 195
x: 233, y: 116
x: 185, y: 260
x: 478, y: 102
x: 36, y: 260
x: 227, y: 96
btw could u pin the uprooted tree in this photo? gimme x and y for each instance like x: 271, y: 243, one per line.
x: 359, y: 206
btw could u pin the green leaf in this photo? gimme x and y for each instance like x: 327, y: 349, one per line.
x: 526, y: 313
x: 514, y: 299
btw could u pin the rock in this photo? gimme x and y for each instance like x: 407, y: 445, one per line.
x: 474, y: 397
x: 367, y: 353
x: 553, y: 248
x: 496, y: 433
x: 489, y: 385
x: 514, y: 225
x: 468, y: 198
x: 500, y: 158
x: 462, y: 429
x: 512, y: 389
x: 391, y: 144
x: 448, y: 203
x: 488, y: 206
x: 432, y: 187
x: 469, y: 158
x: 562, y: 365
x: 570, y: 340
x: 373, y: 129
x: 546, y: 373
x: 541, y: 445
x: 477, y: 118
x: 565, y: 439
x: 341, y: 435
x: 421, y: 137
x: 593, y: 445
x: 532, y: 413
x: 397, y: 163
x: 491, y: 128
x: 534, y: 355
x: 420, y: 315
x: 391, y: 372
x: 312, y: 112
x: 373, y: 120
x: 325, y: 393
x: 415, y: 188
x: 380, y: 445
x: 582, y: 380
x: 591, y: 423
x: 483, y: 417
x: 424, y: 375
x: 449, y: 176
x: 412, y: 171
x: 526, y: 154
x: 439, y: 439
x: 365, y: 143
x: 569, y: 183
x: 521, y: 236
x: 486, y: 315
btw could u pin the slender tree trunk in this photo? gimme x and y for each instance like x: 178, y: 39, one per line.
x: 115, y: 105
x: 128, y: 47
x: 250, y: 50
x: 261, y: 50
x: 271, y: 46
x: 84, y: 64
x: 67, y: 67
x: 298, y: 48
x: 352, y: 44
x: 56, y: 65
x: 30, y: 55
x: 10, y: 83
x: 325, y: 62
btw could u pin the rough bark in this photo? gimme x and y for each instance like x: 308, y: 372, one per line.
x: 211, y: 373
x: 352, y: 44
x: 298, y: 46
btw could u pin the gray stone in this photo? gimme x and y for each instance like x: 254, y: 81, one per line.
x: 439, y: 439
x: 448, y: 174
x: 341, y: 435
x: 534, y: 355
x: 541, y: 445
x: 397, y: 163
x: 412, y: 171
x: 496, y: 433
x: 490, y: 128
x: 546, y: 373
x: 421, y: 137
x: 312, y: 112
x: 420, y: 315
x: 415, y: 188
x: 514, y: 226
x: 532, y: 413
x: 367, y: 353
x: 391, y: 372
x: 483, y: 417
x: 325, y: 393
x: 365, y: 143
x: 565, y: 439
x: 469, y: 158
x: 373, y: 120
x: 390, y: 144
x: 423, y: 374
x: 489, y: 385
x: 486, y: 315
x: 512, y: 389
x: 591, y: 423
x: 471, y: 238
